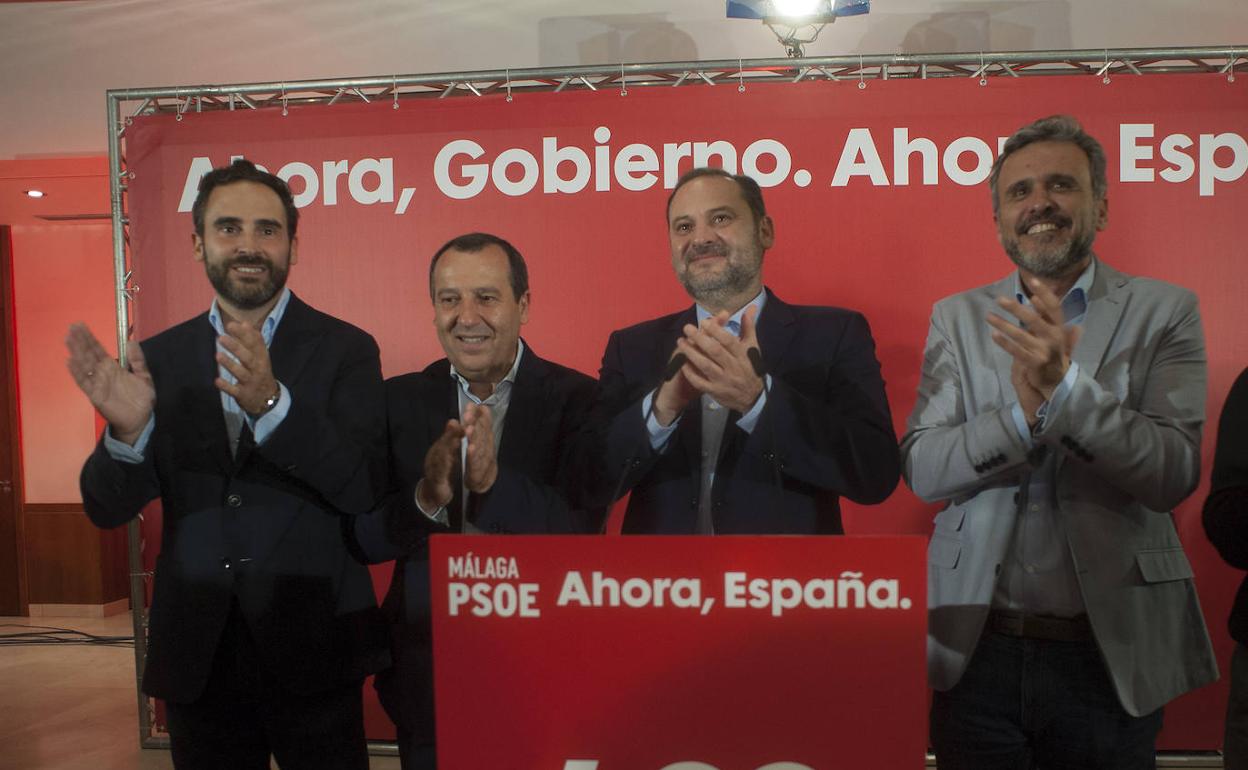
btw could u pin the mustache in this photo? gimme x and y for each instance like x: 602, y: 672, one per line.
x: 705, y: 250
x: 250, y: 259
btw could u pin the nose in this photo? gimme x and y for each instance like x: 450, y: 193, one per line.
x: 1039, y: 200
x: 703, y: 233
x: 248, y: 242
x: 469, y: 312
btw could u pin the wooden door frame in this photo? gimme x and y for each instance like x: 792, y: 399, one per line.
x: 9, y: 345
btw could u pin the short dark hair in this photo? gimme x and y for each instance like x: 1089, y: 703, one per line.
x: 243, y: 170
x: 750, y: 190
x: 474, y: 242
x: 1055, y: 128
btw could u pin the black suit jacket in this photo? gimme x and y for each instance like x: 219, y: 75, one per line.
x: 269, y: 527
x: 825, y: 427
x: 1226, y: 508
x: 532, y: 494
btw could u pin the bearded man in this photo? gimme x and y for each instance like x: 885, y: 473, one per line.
x: 742, y: 414
x: 1058, y: 418
x: 260, y: 426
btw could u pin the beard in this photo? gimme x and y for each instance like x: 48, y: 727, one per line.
x: 250, y: 295
x: 1051, y: 260
x: 710, y: 289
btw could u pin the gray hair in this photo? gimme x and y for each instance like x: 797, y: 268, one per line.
x: 1055, y: 128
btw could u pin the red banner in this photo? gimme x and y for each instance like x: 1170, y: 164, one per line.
x: 878, y: 195
x: 636, y: 653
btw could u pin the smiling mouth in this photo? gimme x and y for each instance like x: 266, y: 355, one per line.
x: 1040, y: 228
x: 694, y: 259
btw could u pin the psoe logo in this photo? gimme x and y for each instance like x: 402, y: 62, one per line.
x: 592, y: 764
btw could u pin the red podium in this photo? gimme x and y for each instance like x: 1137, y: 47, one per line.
x: 679, y: 653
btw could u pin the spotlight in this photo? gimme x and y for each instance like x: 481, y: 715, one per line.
x: 796, y: 22
x: 33, y: 193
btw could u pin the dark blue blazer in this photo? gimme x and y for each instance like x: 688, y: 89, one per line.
x: 533, y: 494
x: 269, y: 527
x: 825, y: 428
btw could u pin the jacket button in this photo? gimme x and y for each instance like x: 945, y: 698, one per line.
x: 234, y: 501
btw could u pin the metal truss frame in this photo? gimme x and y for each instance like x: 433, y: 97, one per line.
x: 128, y: 103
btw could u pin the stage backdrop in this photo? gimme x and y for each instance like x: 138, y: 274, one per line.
x: 879, y: 196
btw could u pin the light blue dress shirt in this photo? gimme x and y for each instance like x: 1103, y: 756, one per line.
x: 261, y: 428
x: 1038, y: 576
x: 659, y: 434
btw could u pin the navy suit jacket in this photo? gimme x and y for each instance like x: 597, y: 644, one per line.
x: 825, y: 427
x: 269, y: 527
x: 531, y: 495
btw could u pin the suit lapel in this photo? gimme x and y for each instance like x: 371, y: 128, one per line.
x: 1002, y: 361
x: 294, y: 342
x: 1106, y: 301
x: 204, y: 398
x: 775, y: 331
x: 524, y: 410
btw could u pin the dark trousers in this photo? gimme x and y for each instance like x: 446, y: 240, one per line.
x: 1235, y: 741
x: 1024, y: 704
x: 243, y: 716
x: 406, y: 693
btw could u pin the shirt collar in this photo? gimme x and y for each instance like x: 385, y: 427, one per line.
x: 509, y: 380
x: 1075, y: 303
x: 267, y: 329
x: 759, y: 301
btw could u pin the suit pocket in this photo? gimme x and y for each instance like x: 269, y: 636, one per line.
x: 943, y: 551
x: 1163, y: 565
x: 950, y: 519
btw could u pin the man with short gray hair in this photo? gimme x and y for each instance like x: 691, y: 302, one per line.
x: 1058, y: 417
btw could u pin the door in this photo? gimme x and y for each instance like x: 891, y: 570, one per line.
x: 12, y: 573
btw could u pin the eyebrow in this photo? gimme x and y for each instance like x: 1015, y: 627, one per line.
x: 219, y: 221
x: 717, y: 210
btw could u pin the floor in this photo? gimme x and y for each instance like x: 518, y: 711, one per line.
x: 74, y: 707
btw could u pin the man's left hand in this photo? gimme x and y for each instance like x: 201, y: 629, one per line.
x: 250, y: 366
x: 718, y: 362
x: 1042, y: 345
x: 482, y: 464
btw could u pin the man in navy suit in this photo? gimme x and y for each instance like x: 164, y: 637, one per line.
x: 259, y: 426
x: 480, y: 441
x: 772, y: 411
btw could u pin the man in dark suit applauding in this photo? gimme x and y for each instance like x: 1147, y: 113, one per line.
x: 769, y: 412
x: 479, y: 442
x: 259, y: 426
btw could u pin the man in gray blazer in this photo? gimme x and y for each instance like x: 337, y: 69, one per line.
x: 1058, y: 417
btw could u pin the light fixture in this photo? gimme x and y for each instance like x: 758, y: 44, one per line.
x: 796, y: 22
x: 34, y: 193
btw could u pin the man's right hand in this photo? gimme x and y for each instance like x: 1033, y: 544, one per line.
x: 435, y: 489
x: 672, y: 397
x: 125, y: 398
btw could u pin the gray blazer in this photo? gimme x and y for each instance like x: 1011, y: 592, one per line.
x: 1128, y: 450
